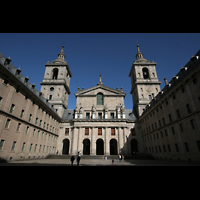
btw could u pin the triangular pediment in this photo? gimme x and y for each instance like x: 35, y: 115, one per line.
x: 93, y: 91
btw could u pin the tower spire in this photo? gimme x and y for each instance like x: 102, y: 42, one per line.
x: 100, y: 83
x: 139, y: 54
x: 61, y: 56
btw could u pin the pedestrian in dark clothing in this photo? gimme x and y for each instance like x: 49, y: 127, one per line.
x: 72, y: 160
x: 78, y: 160
x: 112, y: 161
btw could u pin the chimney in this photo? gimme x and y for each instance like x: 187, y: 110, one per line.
x: 165, y: 79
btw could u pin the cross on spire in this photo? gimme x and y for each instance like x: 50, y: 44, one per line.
x: 100, y: 83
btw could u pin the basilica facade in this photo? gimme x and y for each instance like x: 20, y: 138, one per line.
x: 36, y: 123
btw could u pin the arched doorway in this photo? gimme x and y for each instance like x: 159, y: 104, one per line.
x: 65, y: 147
x: 113, y: 147
x: 134, y: 146
x: 99, y: 147
x: 86, y: 147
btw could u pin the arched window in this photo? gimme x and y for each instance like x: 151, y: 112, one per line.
x: 55, y: 73
x: 145, y: 73
x: 99, y: 99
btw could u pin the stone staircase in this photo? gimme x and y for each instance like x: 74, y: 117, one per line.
x: 127, y: 157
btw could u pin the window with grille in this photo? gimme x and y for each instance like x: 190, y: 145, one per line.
x: 133, y: 132
x: 86, y: 131
x: 99, y: 131
x: 66, y: 131
x: 112, y: 131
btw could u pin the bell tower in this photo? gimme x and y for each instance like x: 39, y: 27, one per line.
x: 144, y: 81
x: 55, y: 85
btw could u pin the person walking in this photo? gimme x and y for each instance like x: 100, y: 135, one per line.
x: 112, y: 161
x: 122, y: 157
x: 72, y: 160
x: 119, y: 157
x: 78, y: 160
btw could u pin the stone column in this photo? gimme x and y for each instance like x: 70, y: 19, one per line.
x: 107, y: 145
x: 80, y: 141
x: 75, y: 141
x: 93, y: 142
x: 121, y: 140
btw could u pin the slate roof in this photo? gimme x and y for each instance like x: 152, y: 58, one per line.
x: 184, y: 71
x: 69, y: 114
x: 24, y: 82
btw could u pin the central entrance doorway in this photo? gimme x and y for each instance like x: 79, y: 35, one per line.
x: 134, y: 146
x: 65, y: 147
x: 99, y: 147
x: 86, y: 147
x: 113, y: 147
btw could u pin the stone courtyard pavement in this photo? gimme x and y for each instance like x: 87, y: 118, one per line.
x: 99, y: 162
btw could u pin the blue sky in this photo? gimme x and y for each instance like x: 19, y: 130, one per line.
x: 89, y: 54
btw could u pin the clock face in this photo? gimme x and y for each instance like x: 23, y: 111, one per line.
x: 52, y: 89
x: 148, y: 89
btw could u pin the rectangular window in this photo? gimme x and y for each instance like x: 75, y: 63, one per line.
x: 30, y: 116
x: 8, y: 123
x: 112, y: 115
x: 1, y: 144
x: 86, y: 131
x: 87, y: 115
x: 181, y: 127
x: 99, y: 115
x: 30, y: 147
x: 112, y: 131
x: 66, y: 131
x: 194, y: 81
x: 23, y: 146
x: 163, y: 120
x: 27, y: 129
x: 178, y: 113
x: 12, y: 108
x: 170, y: 118
x: 35, y: 147
x: 166, y: 132
x: 192, y: 123
x: 36, y: 120
x: 99, y: 131
x: 18, y: 126
x: 50, y: 97
x: 22, y: 113
x: 176, y: 145
x: 186, y: 147
x: 40, y: 122
x: 150, y: 98
x: 172, y: 128
x: 159, y: 123
x: 13, y: 146
x: 169, y: 149
x: 188, y: 108
x: 1, y: 99
x: 6, y: 81
x: 198, y: 144
x: 44, y: 124
x: 33, y: 132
